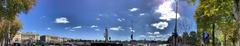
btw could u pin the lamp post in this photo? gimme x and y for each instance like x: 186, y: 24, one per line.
x: 106, y: 35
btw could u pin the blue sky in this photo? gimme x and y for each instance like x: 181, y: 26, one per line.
x: 87, y: 19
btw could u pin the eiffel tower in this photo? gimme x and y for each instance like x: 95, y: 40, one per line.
x: 175, y: 34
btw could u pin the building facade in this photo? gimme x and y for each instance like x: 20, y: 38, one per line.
x: 52, y: 39
x: 25, y: 38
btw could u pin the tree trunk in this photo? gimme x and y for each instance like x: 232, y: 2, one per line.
x: 236, y: 7
x: 234, y: 44
x: 213, y: 34
x: 225, y: 39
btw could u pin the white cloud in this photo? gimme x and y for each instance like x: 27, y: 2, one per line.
x: 149, y: 33
x: 48, y: 28
x: 62, y: 20
x: 163, y: 37
x: 97, y: 29
x: 143, y: 36
x: 121, y: 19
x: 94, y: 26
x: 71, y: 30
x: 98, y: 19
x: 156, y: 33
x: 100, y: 14
x: 153, y: 33
x: 141, y: 14
x: 158, y: 36
x: 77, y: 27
x: 133, y: 9
x: 160, y: 25
x: 151, y: 36
x: 131, y: 29
x: 116, y: 28
x: 166, y: 11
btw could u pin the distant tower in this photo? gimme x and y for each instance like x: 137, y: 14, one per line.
x: 175, y: 34
x: 132, y: 41
x: 131, y: 35
x: 132, y: 31
x: 106, y: 35
x: 109, y: 38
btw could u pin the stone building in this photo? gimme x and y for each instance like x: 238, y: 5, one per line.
x: 25, y: 38
x: 52, y: 39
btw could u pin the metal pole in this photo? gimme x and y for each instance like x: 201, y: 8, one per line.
x: 132, y: 42
x: 106, y: 35
x: 175, y: 30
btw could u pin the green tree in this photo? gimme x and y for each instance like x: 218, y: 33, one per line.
x: 227, y: 29
x: 236, y: 11
x: 193, y: 38
x: 210, y: 14
x: 9, y: 10
x: 185, y: 38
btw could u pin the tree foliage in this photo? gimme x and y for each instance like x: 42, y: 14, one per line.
x: 218, y: 12
x: 9, y: 10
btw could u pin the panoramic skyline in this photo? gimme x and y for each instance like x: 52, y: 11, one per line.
x: 88, y: 19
